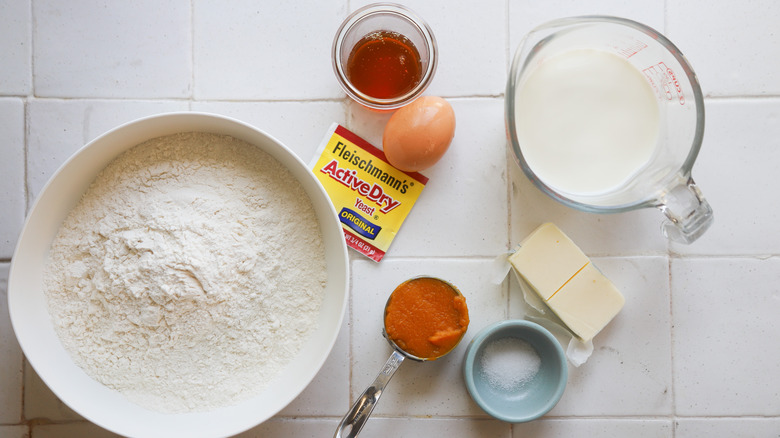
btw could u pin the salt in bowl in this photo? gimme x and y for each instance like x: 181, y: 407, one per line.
x: 515, y: 370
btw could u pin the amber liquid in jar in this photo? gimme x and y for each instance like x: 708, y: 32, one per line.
x: 384, y: 65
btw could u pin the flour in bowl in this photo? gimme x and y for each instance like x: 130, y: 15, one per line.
x: 189, y: 274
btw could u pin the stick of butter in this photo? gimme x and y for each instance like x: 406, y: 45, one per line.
x: 575, y: 290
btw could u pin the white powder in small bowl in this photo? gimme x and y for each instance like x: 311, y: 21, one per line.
x: 508, y: 363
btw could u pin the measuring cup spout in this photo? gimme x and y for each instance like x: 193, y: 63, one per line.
x: 358, y: 414
x: 688, y: 214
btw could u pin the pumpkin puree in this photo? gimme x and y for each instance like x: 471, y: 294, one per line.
x: 426, y: 317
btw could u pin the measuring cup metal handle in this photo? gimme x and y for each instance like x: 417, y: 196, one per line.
x: 358, y: 414
x: 688, y: 213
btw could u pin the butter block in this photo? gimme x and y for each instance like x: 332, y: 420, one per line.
x: 566, y: 280
x: 547, y: 259
x: 587, y: 303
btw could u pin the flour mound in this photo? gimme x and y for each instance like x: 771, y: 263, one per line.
x: 189, y: 274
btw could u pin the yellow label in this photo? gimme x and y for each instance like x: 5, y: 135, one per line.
x: 372, y: 198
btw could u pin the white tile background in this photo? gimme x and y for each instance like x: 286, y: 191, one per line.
x: 696, y: 350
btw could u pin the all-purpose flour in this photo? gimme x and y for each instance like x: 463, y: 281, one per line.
x: 189, y: 274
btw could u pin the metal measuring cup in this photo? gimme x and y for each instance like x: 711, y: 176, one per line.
x: 358, y: 414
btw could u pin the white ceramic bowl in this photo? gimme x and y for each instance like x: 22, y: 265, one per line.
x: 108, y: 408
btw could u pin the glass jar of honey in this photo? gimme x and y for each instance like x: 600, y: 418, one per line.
x: 384, y: 56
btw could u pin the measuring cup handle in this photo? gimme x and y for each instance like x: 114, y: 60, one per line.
x: 688, y: 214
x: 358, y: 414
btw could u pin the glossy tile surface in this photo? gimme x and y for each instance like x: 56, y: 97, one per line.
x: 11, y: 374
x: 130, y: 50
x: 692, y: 354
x: 12, y: 194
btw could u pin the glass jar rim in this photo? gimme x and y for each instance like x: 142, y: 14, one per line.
x: 412, y: 18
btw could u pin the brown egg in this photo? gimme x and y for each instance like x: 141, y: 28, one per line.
x: 417, y: 135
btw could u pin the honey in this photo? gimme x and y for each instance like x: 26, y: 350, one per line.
x: 384, y: 65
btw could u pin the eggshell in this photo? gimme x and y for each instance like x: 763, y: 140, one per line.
x: 419, y: 134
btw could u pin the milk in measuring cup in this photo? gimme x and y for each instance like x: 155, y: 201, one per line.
x: 586, y: 121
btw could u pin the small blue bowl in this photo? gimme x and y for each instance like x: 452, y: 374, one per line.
x: 526, y: 401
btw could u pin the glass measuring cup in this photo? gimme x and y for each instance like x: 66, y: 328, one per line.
x: 664, y: 179
x: 360, y: 411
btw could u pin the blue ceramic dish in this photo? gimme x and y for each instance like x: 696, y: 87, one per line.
x: 531, y: 399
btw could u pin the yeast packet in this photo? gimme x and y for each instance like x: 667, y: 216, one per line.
x: 372, y: 198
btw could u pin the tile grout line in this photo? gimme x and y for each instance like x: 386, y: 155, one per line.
x: 671, y: 347
x: 501, y: 95
x: 350, y: 333
x: 507, y: 175
x: 25, y: 157
x: 27, y: 124
x: 26, y: 191
x: 31, y: 92
x: 192, y: 56
x: 193, y: 99
x: 727, y: 97
x: 669, y: 284
x: 508, y: 182
x: 351, y: 323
